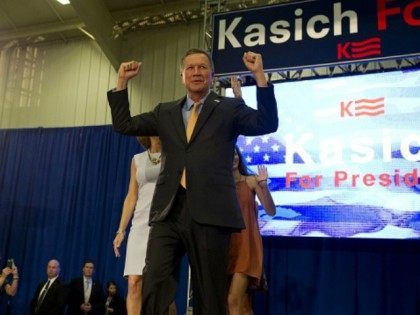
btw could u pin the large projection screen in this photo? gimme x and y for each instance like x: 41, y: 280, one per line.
x: 345, y: 160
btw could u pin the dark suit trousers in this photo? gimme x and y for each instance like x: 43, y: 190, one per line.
x: 207, y: 248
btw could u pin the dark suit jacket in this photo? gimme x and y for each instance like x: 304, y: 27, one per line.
x: 211, y: 193
x: 76, y: 298
x: 118, y: 305
x: 54, y: 301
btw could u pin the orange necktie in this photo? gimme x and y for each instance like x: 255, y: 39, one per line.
x: 190, y: 127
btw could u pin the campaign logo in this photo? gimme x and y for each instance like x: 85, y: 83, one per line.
x: 359, y: 50
x: 363, y: 107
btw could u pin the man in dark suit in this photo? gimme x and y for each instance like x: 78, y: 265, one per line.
x: 50, y: 295
x: 194, y: 208
x: 85, y: 295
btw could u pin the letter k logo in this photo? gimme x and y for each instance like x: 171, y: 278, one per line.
x: 345, y: 109
x: 342, y: 51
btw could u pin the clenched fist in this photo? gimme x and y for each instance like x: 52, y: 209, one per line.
x: 253, y: 62
x: 127, y: 71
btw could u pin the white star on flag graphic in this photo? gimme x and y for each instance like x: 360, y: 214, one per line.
x: 248, y: 140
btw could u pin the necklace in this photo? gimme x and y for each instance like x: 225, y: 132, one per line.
x: 154, y: 160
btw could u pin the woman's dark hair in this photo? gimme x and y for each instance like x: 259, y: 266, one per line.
x: 242, y: 167
x: 145, y: 142
x: 109, y: 283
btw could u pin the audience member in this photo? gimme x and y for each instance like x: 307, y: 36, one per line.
x: 9, y: 279
x: 114, y: 304
x: 50, y: 295
x: 85, y: 293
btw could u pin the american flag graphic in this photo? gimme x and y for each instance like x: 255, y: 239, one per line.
x: 265, y: 150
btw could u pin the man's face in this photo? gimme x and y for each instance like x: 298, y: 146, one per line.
x: 197, y: 73
x: 53, y: 269
x: 88, y: 270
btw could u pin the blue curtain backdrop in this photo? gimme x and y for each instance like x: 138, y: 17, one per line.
x: 61, y: 192
x: 321, y: 276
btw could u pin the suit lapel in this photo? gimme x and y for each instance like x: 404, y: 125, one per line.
x: 177, y: 119
x: 209, y: 105
x: 50, y: 290
x: 82, y: 286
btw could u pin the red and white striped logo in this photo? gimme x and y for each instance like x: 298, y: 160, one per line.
x: 359, y: 50
x: 363, y: 107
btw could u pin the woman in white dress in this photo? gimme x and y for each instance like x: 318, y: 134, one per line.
x: 145, y: 169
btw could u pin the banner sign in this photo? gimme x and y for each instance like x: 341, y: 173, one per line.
x: 315, y: 33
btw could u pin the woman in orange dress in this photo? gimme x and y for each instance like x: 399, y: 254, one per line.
x: 246, y: 250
